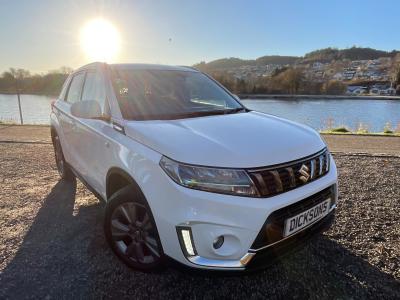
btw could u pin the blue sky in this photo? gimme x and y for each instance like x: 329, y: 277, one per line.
x: 44, y: 35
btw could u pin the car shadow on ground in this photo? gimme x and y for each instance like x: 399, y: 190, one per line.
x: 50, y: 250
x: 64, y: 255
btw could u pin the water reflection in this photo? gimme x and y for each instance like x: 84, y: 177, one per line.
x: 370, y: 115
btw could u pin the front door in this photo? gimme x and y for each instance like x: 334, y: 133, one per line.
x: 94, y: 146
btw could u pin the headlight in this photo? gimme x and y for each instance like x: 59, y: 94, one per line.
x: 224, y: 181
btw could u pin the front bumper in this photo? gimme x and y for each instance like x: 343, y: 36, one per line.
x: 268, y: 255
x: 209, y: 215
x: 270, y: 241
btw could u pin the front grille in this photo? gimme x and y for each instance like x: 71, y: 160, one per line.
x: 279, y: 179
x: 273, y: 228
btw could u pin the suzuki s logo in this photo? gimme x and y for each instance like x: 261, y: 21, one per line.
x: 305, y: 173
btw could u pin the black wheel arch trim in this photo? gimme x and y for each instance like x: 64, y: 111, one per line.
x: 53, y: 133
x: 132, y: 182
x: 121, y: 172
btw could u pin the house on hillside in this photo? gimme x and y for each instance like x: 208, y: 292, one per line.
x: 348, y: 75
x: 318, y: 65
x: 338, y: 76
x: 390, y: 91
x: 377, y: 89
x: 355, y: 90
x: 361, y: 75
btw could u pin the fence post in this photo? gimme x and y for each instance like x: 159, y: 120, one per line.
x: 19, y: 101
x: 20, y: 110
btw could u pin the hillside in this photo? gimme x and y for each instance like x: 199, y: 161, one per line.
x: 233, y: 62
x: 353, y: 53
x: 321, y: 55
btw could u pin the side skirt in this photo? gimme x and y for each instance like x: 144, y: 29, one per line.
x: 87, y: 185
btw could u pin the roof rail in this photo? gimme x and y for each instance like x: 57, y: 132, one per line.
x: 190, y: 67
x: 93, y: 64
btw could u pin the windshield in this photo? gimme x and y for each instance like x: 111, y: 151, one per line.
x: 166, y: 94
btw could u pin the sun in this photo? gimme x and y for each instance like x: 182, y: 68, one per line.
x: 100, y: 40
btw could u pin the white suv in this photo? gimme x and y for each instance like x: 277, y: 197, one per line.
x: 187, y: 171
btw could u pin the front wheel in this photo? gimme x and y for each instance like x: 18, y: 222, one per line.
x: 131, y: 231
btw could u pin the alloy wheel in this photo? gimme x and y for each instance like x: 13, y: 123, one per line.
x: 133, y: 233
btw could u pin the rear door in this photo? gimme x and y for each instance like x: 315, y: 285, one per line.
x: 67, y: 121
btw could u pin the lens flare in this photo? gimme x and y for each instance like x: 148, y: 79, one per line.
x: 100, y: 40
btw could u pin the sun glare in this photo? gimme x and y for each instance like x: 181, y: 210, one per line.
x: 100, y: 40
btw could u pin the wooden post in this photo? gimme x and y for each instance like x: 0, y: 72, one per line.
x: 19, y: 101
x: 20, y: 110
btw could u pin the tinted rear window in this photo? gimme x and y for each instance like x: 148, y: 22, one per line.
x: 75, y: 88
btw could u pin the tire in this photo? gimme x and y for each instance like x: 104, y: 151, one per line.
x: 131, y: 231
x: 62, y: 166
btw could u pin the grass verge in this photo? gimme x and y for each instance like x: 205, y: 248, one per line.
x: 330, y: 131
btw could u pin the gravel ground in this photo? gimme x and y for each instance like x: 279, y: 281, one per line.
x: 52, y: 243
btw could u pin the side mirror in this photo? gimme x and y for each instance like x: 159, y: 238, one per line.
x: 87, y: 109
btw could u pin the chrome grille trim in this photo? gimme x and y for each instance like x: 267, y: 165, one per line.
x: 312, y: 174
x: 321, y: 162
x: 326, y: 161
x: 288, y: 164
x: 260, y: 179
x: 278, y: 179
x: 291, y: 175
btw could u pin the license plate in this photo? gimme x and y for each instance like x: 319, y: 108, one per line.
x: 307, y: 217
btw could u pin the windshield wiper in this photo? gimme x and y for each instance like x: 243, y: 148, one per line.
x: 218, y: 111
x: 191, y: 114
x: 235, y: 110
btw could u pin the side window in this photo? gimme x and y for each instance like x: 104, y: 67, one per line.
x: 74, y: 92
x: 94, y: 89
x: 64, y: 89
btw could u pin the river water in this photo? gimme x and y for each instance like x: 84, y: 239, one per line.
x: 371, y: 114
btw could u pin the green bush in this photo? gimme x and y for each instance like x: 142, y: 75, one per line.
x: 387, y: 131
x: 340, y: 129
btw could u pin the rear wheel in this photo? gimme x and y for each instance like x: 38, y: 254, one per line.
x: 131, y: 231
x: 62, y: 167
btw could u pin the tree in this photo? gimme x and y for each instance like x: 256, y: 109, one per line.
x: 225, y: 79
x: 7, y: 82
x: 19, y: 73
x: 334, y: 87
x: 23, y: 81
x: 62, y: 70
x: 290, y: 80
x: 240, y: 86
x: 278, y: 71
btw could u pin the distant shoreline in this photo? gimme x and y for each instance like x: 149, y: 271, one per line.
x: 315, y: 97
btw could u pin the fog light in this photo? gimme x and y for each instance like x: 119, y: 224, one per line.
x: 218, y: 242
x: 186, y: 241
